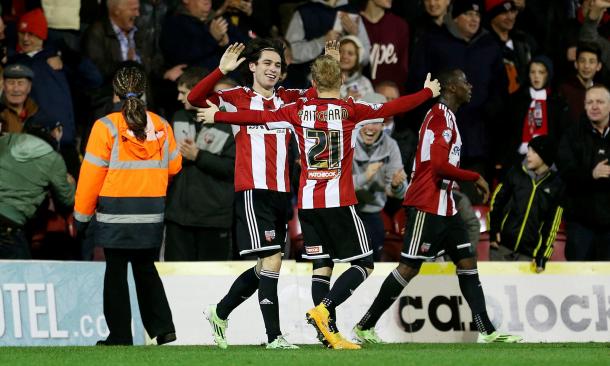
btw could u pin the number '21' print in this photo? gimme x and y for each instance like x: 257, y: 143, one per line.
x: 326, y: 152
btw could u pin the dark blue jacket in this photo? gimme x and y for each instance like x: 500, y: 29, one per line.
x: 51, y: 91
x: 481, y: 61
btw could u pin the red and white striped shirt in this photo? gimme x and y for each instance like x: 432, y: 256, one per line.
x: 261, y: 157
x: 436, y: 164
x: 326, y: 131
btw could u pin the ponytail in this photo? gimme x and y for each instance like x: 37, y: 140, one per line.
x: 129, y: 84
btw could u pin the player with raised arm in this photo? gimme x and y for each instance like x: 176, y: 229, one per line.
x: 433, y: 226
x: 262, y: 183
x: 326, y: 128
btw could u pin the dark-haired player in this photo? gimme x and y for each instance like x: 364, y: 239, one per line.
x: 262, y: 183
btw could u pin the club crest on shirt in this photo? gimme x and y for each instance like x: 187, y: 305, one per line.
x: 425, y: 247
x: 447, y: 135
x: 269, y: 235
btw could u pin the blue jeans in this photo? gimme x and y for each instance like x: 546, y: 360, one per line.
x: 587, y: 244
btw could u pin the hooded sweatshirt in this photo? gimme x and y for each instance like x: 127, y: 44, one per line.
x: 372, y: 195
x: 28, y: 167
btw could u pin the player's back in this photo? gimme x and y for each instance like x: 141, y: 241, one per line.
x: 326, y: 131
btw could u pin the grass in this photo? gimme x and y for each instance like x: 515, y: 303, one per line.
x: 581, y: 354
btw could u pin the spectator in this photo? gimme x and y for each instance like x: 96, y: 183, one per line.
x: 378, y: 173
x: 136, y: 148
x: 355, y: 84
x: 535, y: 110
x: 194, y: 36
x: 253, y: 18
x: 50, y: 88
x: 526, y: 210
x: 30, y: 168
x: 433, y: 19
x: 389, y: 37
x: 517, y: 47
x: 21, y: 110
x: 115, y: 39
x: 547, y: 22
x: 64, y: 23
x: 465, y: 45
x: 403, y: 133
x: 316, y: 22
x: 589, y: 31
x: 588, y: 64
x: 583, y: 163
x: 199, y: 211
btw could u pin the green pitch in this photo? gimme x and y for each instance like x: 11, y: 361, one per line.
x: 580, y: 354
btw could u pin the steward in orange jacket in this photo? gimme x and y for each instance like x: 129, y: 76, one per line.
x: 123, y: 181
x: 131, y: 156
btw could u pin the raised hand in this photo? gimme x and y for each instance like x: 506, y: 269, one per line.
x: 206, y: 115
x: 399, y: 177
x: 433, y: 85
x: 372, y: 169
x: 331, y: 48
x: 188, y: 149
x: 218, y: 29
x: 230, y: 59
x: 349, y: 25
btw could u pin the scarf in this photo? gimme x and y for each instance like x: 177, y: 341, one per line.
x: 536, y: 119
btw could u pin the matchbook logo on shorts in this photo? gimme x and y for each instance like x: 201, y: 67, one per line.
x: 313, y: 250
x: 425, y: 247
x: 269, y: 235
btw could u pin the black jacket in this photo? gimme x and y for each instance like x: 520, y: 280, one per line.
x: 527, y: 213
x: 524, y: 47
x: 481, y: 61
x: 580, y: 150
x: 202, y: 193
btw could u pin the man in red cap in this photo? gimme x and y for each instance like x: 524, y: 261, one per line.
x: 517, y: 46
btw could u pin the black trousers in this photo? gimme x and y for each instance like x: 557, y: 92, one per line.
x: 154, y: 308
x: 191, y: 243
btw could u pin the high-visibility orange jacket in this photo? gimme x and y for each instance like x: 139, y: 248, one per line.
x: 124, y: 181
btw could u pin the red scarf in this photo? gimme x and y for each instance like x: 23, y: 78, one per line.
x: 536, y: 118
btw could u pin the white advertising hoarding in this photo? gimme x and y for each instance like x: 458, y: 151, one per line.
x: 60, y: 303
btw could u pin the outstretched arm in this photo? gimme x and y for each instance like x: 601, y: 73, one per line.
x: 399, y: 105
x: 247, y: 117
x: 230, y: 61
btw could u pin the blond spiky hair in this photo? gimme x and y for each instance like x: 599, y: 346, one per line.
x: 325, y: 71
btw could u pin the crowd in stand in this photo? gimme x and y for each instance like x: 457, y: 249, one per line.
x: 536, y: 126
